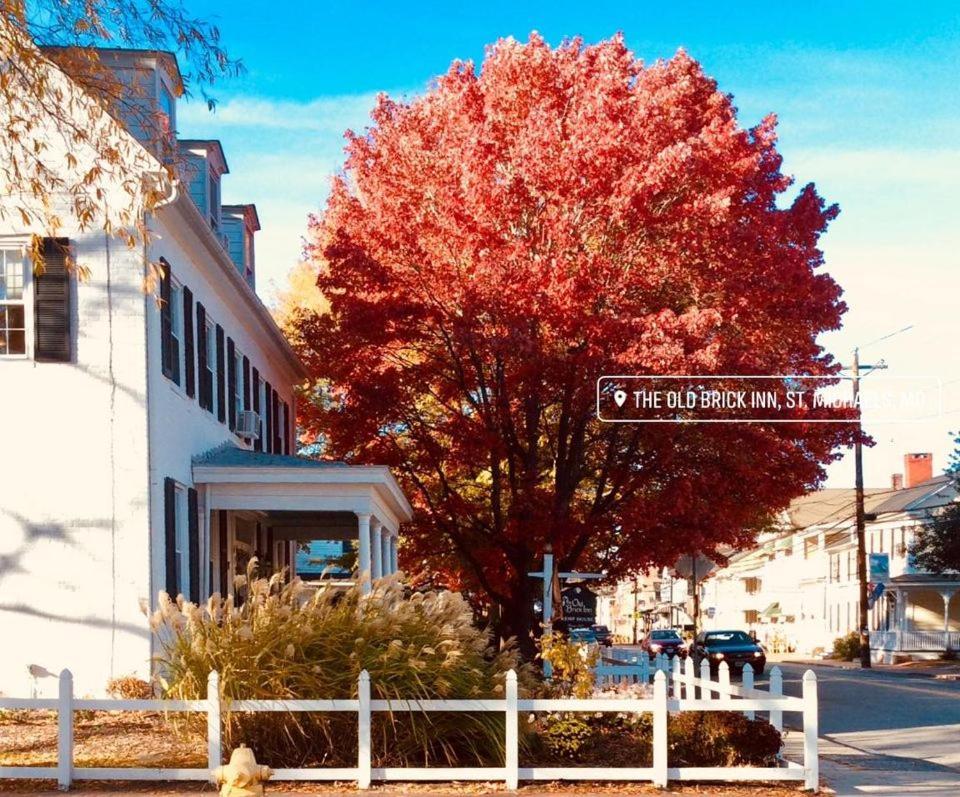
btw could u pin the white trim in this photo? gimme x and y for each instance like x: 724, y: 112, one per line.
x: 367, y: 475
x: 22, y: 243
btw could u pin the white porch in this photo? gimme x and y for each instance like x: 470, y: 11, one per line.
x: 256, y: 504
x: 921, y: 618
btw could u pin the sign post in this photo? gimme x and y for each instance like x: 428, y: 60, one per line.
x: 547, y: 575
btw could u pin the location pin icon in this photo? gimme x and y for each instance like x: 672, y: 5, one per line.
x: 620, y: 396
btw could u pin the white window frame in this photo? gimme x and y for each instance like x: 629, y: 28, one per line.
x: 181, y: 539
x: 210, y: 341
x: 263, y: 412
x: 238, y: 398
x: 26, y: 300
x: 177, y: 333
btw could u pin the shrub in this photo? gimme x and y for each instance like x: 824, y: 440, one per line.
x: 948, y: 654
x: 706, y: 739
x: 129, y: 687
x: 721, y: 739
x: 286, y: 641
x: 846, y: 647
x: 573, y: 664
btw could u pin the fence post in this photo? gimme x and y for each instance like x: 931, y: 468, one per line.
x: 776, y: 690
x: 676, y: 678
x: 214, y: 749
x: 660, y: 729
x: 723, y: 680
x: 705, y: 692
x: 748, y: 684
x: 511, y: 756
x: 65, y: 731
x: 363, y: 731
x: 811, y: 761
x: 691, y: 691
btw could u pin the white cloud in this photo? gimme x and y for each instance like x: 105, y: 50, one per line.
x: 323, y: 115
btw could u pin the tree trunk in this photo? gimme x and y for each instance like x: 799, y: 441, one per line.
x: 517, y: 620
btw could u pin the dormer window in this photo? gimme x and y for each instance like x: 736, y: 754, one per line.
x: 203, y: 166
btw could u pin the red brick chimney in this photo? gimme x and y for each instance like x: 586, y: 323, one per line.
x: 896, y: 481
x: 918, y: 468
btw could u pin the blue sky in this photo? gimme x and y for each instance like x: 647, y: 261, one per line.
x: 867, y: 95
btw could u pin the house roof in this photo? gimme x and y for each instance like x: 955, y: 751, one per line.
x: 121, y: 55
x: 903, y: 500
x: 213, y: 149
x: 831, y: 505
x: 231, y: 456
x: 247, y: 212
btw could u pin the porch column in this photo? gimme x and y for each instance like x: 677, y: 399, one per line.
x: 393, y: 552
x: 946, y: 594
x: 386, y: 563
x: 363, y: 532
x: 376, y: 550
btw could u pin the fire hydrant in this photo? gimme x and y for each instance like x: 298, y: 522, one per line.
x: 243, y: 776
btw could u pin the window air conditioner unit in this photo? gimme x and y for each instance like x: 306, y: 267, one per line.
x: 248, y: 424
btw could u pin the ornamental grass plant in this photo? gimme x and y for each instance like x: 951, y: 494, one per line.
x: 285, y: 640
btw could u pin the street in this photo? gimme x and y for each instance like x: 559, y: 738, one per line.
x: 884, y: 733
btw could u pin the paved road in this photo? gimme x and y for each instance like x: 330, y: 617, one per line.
x: 885, y: 733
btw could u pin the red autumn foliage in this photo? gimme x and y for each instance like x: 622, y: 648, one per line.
x: 495, y: 245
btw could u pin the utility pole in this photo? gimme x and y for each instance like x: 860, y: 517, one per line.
x: 861, y: 514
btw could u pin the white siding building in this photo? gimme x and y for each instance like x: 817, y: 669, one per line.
x: 148, y: 440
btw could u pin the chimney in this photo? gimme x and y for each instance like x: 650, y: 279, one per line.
x: 896, y: 481
x: 918, y: 468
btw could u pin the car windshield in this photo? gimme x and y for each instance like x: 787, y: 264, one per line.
x: 665, y: 635
x: 601, y: 629
x: 737, y: 637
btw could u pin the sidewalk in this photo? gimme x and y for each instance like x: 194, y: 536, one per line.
x: 940, y: 670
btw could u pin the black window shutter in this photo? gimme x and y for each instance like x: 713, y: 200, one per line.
x: 193, y: 532
x: 286, y: 428
x: 221, y: 378
x: 166, y: 321
x: 51, y: 304
x: 225, y: 586
x: 188, y: 343
x: 170, y: 537
x: 205, y: 387
x: 231, y: 384
x: 246, y: 383
x: 268, y: 424
x: 258, y: 443
x: 277, y: 445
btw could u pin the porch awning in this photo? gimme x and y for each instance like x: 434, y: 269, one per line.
x: 303, y: 498
x: 773, y: 610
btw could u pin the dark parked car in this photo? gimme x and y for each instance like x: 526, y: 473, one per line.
x: 583, y: 635
x: 736, y: 648
x: 604, y: 637
x: 664, y: 640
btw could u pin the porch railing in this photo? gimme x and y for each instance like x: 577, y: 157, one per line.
x: 914, y: 641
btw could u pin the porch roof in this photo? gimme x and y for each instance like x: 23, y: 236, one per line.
x: 234, y: 478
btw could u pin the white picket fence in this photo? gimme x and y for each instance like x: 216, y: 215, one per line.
x: 675, y: 689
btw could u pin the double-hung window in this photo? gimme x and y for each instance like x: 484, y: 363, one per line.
x: 210, y: 341
x: 182, y: 542
x: 13, y: 307
x: 238, y: 393
x: 176, y: 332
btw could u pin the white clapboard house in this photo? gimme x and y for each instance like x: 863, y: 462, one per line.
x: 148, y: 440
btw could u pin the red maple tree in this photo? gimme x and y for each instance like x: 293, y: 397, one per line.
x: 495, y: 245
